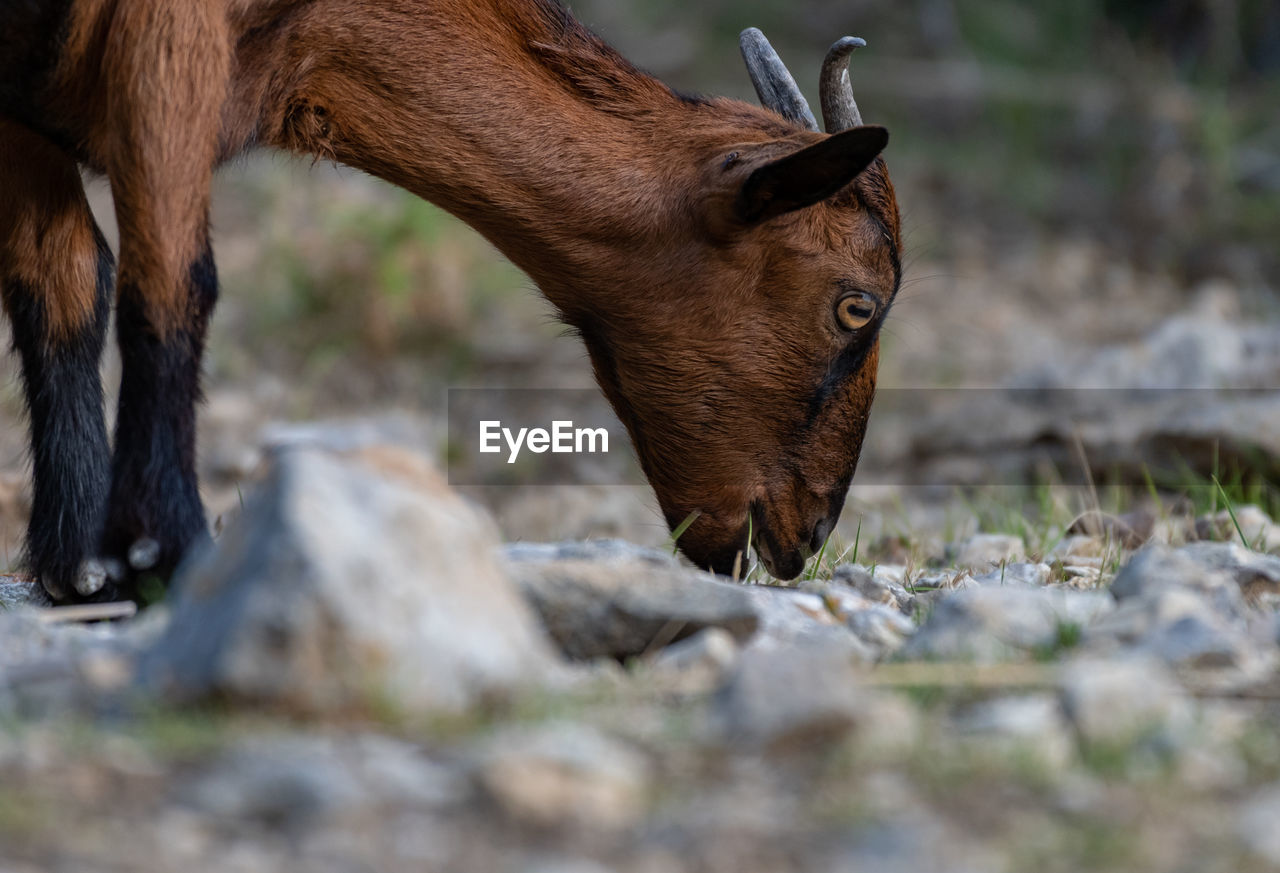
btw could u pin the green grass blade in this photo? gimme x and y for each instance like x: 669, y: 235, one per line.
x: 681, y: 528
x: 1231, y: 510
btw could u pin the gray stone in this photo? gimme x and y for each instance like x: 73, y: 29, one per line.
x: 1159, y: 568
x: 1121, y: 699
x: 562, y: 773
x: 1025, y: 716
x: 350, y: 580
x: 994, y: 623
x: 50, y: 666
x: 789, y: 617
x: 1017, y: 573
x: 285, y: 784
x: 877, y: 624
x: 984, y: 551
x: 791, y: 698
x: 876, y: 588
x: 699, y: 662
x: 1199, y: 641
x: 292, y: 781
x: 615, y: 600
x: 18, y: 591
x: 1130, y: 530
x: 1181, y: 627
x: 1257, y: 574
x: 884, y: 629
x: 1072, y: 549
x: 1032, y: 723
x: 1259, y: 531
x: 1256, y: 824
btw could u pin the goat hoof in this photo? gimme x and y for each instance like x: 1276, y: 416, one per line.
x: 91, y: 578
x: 144, y: 554
x: 57, y: 592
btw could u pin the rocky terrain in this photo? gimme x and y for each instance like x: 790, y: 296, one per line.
x: 359, y: 676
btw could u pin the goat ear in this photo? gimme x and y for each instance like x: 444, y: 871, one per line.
x: 810, y: 175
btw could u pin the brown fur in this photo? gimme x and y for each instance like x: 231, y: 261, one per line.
x: 615, y: 194
x: 46, y: 230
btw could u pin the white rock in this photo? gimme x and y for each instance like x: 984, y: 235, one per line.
x: 350, y: 580
x: 1256, y: 824
x: 1117, y: 700
x: 984, y: 551
x: 564, y: 774
x: 1017, y: 573
x: 1159, y: 568
x: 789, y: 617
x: 714, y: 648
x: 791, y: 698
x: 1071, y: 549
x: 993, y: 623
x: 611, y: 599
x: 1032, y: 723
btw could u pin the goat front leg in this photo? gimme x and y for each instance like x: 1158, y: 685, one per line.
x: 56, y: 274
x: 165, y: 120
x: 154, y: 512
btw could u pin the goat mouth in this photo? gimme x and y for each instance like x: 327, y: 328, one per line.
x: 782, y: 563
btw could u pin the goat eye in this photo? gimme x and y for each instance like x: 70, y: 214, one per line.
x: 855, y: 311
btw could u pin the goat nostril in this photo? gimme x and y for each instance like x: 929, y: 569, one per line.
x: 821, y: 531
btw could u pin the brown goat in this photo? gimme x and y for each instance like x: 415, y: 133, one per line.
x: 728, y: 267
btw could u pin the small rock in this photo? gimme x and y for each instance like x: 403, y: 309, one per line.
x: 1080, y: 575
x: 881, y: 627
x: 1032, y: 723
x: 1181, y: 627
x: 610, y: 599
x: 885, y: 630
x: 564, y: 774
x: 1118, y: 700
x: 790, y: 617
x: 1158, y: 568
x: 1256, y: 824
x: 791, y: 698
x: 1130, y: 530
x: 1072, y: 548
x: 1199, y: 641
x: 1021, y: 717
x: 891, y: 574
x: 1258, y: 575
x: 699, y: 662
x: 18, y: 591
x: 350, y: 580
x: 984, y: 551
x: 994, y: 624
x: 286, y: 784
x: 1017, y: 573
x: 1260, y: 532
x: 877, y: 589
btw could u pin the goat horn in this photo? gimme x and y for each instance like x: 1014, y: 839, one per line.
x: 774, y: 85
x: 839, y: 110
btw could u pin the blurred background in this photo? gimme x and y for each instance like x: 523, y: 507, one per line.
x: 1091, y: 195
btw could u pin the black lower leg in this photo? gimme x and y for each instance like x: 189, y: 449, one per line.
x: 70, y: 456
x: 154, y: 513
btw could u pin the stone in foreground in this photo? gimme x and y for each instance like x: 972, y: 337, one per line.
x: 791, y: 699
x: 563, y: 773
x: 610, y: 599
x: 351, y: 580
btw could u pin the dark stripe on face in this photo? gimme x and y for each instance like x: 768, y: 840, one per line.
x: 845, y: 365
x: 851, y: 358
